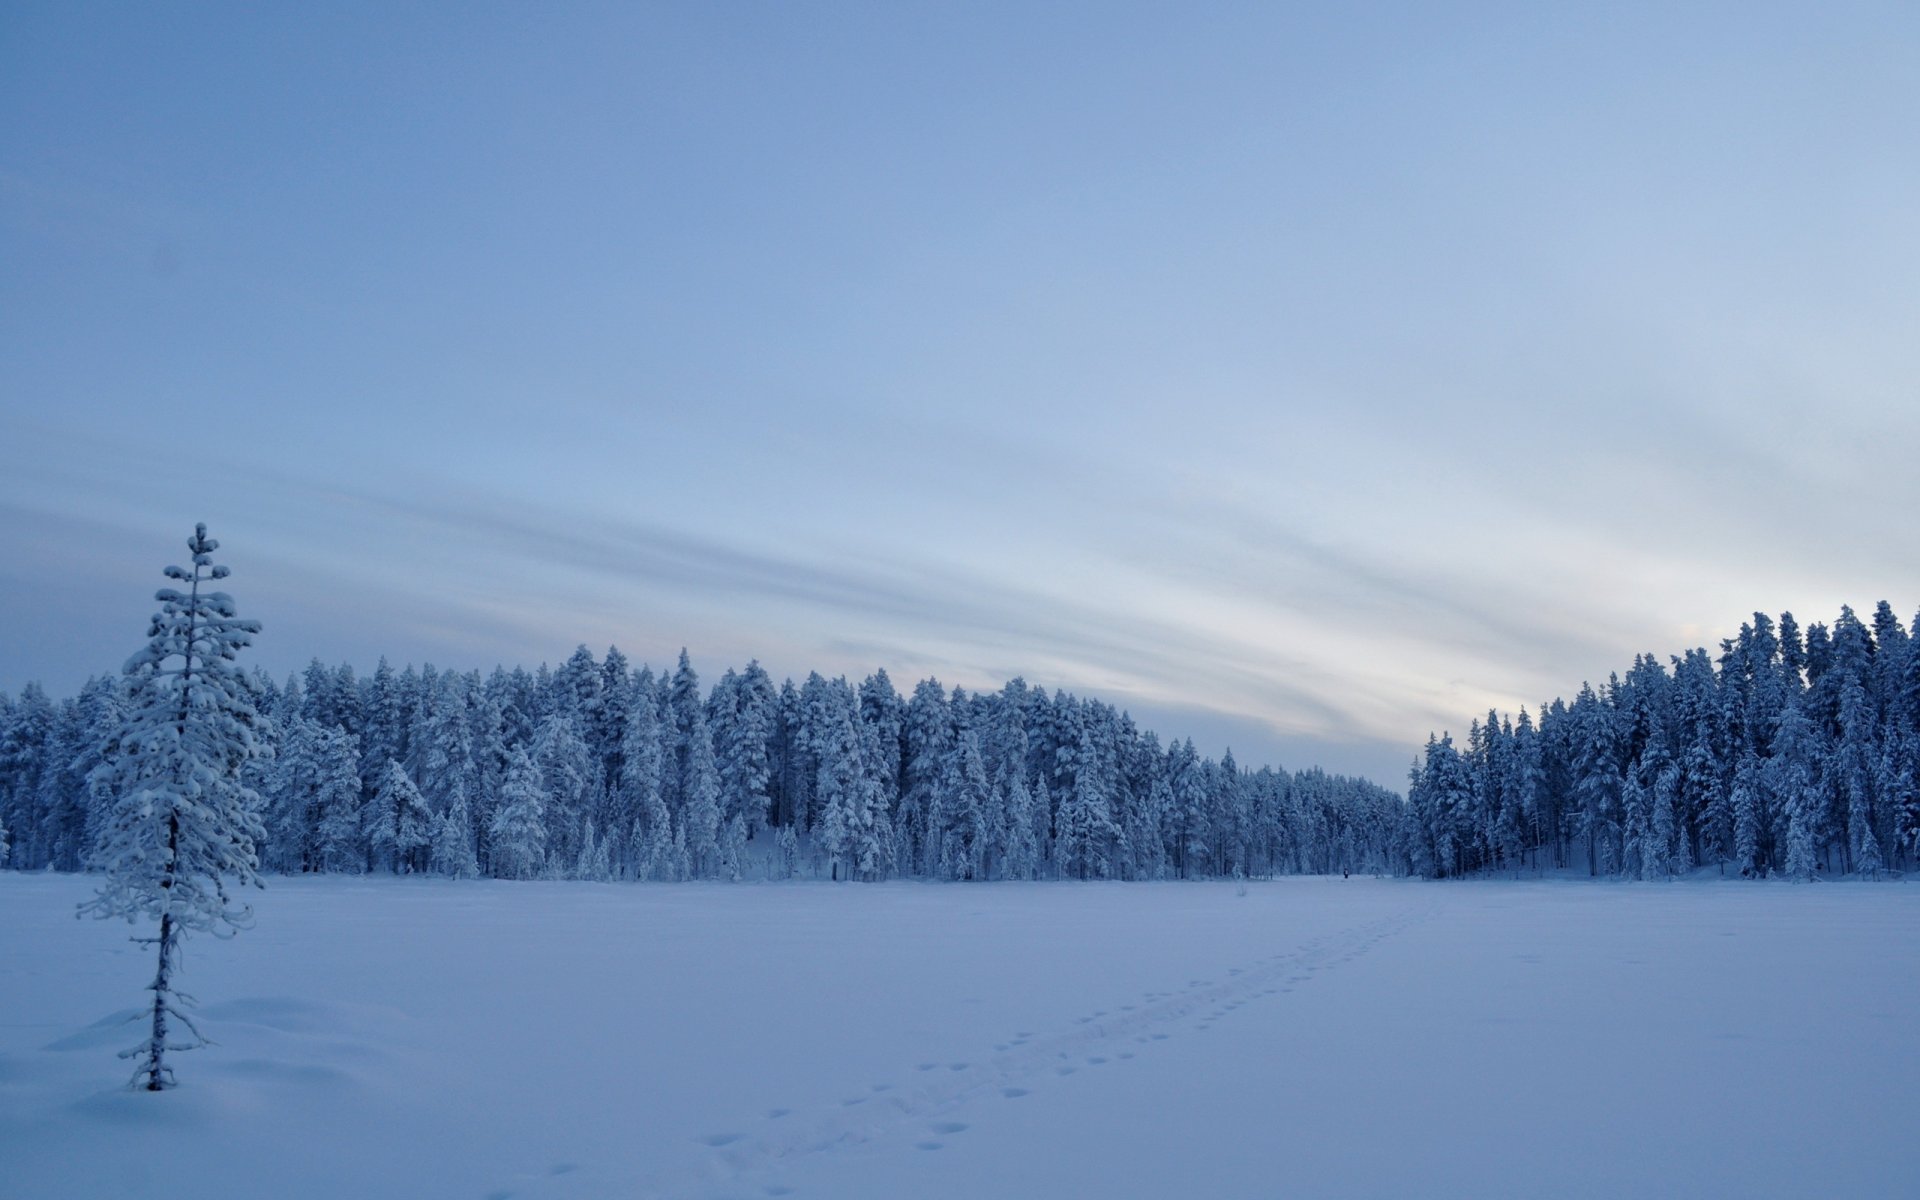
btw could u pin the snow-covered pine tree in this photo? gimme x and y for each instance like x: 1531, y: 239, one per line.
x: 102, y: 706
x: 592, y: 864
x: 1895, y: 773
x: 1796, y: 769
x: 1642, y: 855
x: 963, y: 809
x: 24, y: 735
x: 786, y: 857
x: 1187, y: 814
x: 1020, y: 852
x: 841, y: 793
x: 926, y: 733
x: 286, y: 787
x: 1746, y: 800
x: 741, y: 716
x: 518, y: 833
x: 873, y: 841
x: 569, y: 777
x: 693, y: 782
x: 400, y: 826
x: 1087, y: 827
x: 1853, y: 763
x: 451, y: 853
x: 62, y: 801
x: 1669, y: 822
x: 338, y: 842
x: 642, y: 800
x: 182, y: 824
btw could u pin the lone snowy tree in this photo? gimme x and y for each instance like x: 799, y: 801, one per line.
x: 182, y: 823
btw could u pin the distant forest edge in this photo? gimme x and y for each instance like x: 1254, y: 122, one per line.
x: 1788, y: 753
x: 596, y: 771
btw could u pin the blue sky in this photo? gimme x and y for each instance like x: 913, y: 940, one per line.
x: 1303, y: 377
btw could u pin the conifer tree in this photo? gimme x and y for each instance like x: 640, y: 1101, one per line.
x: 963, y: 833
x: 338, y: 842
x: 592, y: 863
x: 452, y: 852
x: 841, y: 795
x: 23, y: 760
x: 400, y: 826
x: 518, y: 834
x: 183, y: 823
x: 643, y: 763
x: 873, y: 841
x: 926, y: 734
x: 1020, y: 854
x: 1748, y: 819
x: 1087, y: 828
x: 1795, y: 769
x: 694, y: 782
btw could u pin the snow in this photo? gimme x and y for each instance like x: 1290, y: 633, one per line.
x: 1319, y: 1037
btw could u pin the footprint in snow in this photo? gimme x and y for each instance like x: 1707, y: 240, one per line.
x: 925, y: 1066
x: 958, y: 1066
x: 928, y: 1145
x: 563, y: 1168
x: 1095, y: 1061
x: 777, y: 1189
x: 1064, y: 1070
x: 717, y: 1140
x: 948, y: 1127
x: 774, y: 1114
x: 1013, y: 1093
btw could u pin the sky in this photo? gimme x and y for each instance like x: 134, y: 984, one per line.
x: 1304, y: 378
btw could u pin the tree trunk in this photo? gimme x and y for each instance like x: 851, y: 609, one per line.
x: 155, y: 1069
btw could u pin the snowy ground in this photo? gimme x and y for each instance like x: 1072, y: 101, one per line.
x: 1305, y: 1038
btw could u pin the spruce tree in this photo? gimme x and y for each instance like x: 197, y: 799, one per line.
x: 182, y: 825
x: 518, y: 833
x: 452, y: 851
x: 643, y: 764
x: 400, y: 826
x: 1796, y: 771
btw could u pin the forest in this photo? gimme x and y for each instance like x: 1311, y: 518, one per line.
x: 596, y: 771
x: 1789, y: 752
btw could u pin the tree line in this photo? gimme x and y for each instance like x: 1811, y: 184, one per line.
x: 594, y: 770
x: 1789, y: 753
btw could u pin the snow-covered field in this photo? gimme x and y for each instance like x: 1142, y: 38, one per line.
x: 1316, y: 1037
